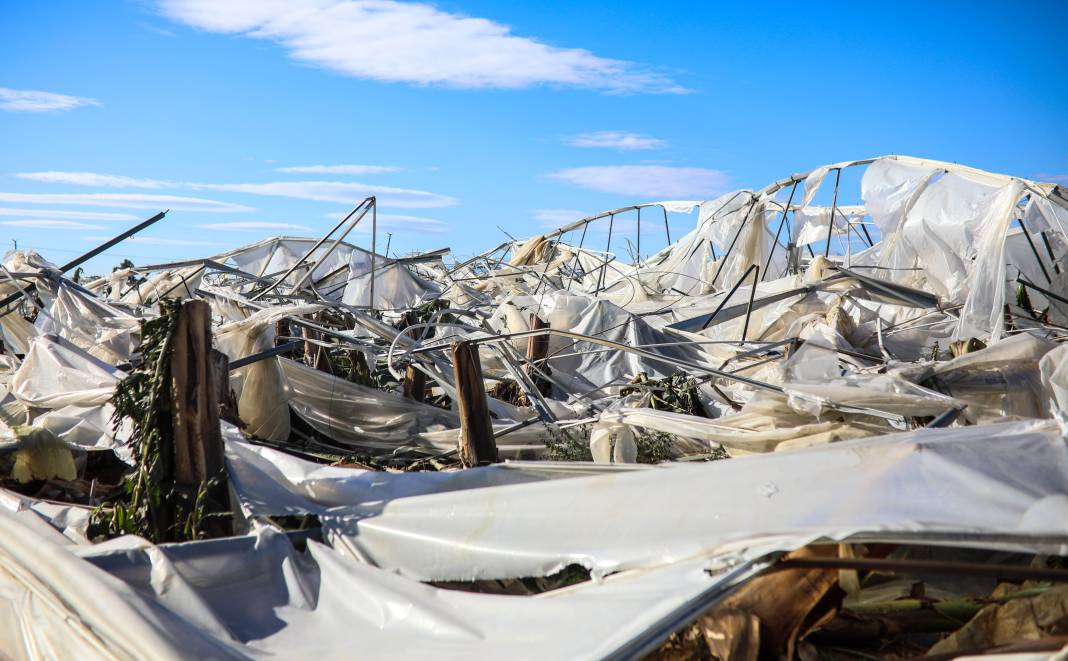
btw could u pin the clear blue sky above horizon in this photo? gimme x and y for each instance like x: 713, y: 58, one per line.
x: 253, y: 119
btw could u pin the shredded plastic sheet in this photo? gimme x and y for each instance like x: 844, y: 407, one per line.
x: 55, y: 373
x: 260, y: 387
x: 100, y: 329
x: 257, y: 596
x: 639, y: 519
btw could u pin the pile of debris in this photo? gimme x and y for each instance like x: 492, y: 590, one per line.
x: 824, y: 423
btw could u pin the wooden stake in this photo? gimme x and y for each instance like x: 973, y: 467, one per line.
x: 537, y: 350
x: 477, y: 445
x: 414, y: 384
x: 198, y: 447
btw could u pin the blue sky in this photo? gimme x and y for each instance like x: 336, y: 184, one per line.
x: 466, y: 115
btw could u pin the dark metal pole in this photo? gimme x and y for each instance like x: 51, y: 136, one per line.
x: 374, y: 242
x: 81, y: 259
x: 741, y: 226
x: 749, y: 308
x: 1034, y: 250
x: 729, y: 294
x: 782, y: 221
x: 834, y: 205
x: 607, y: 249
x: 107, y: 244
x: 667, y: 230
x: 578, y: 255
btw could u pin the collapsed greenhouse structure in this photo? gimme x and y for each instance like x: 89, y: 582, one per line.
x: 828, y: 421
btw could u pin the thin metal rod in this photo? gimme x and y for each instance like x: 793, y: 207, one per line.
x: 741, y: 226
x: 309, y: 252
x: 256, y: 357
x: 81, y: 259
x: 749, y: 308
x: 107, y: 244
x: 782, y: 221
x: 834, y: 207
x: 578, y: 255
x: 374, y: 243
x: 607, y: 249
x: 1044, y: 292
x: 1049, y: 251
x: 667, y: 230
x: 729, y: 294
x: 329, y: 251
x: 1034, y: 250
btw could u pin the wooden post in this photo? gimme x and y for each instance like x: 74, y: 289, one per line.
x: 198, y: 447
x: 281, y: 331
x: 414, y: 384
x: 477, y: 445
x: 537, y: 350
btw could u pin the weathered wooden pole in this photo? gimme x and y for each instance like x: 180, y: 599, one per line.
x: 198, y: 446
x: 537, y: 351
x: 414, y: 384
x: 477, y: 445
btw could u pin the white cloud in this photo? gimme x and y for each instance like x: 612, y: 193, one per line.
x: 414, y: 42
x: 253, y: 226
x: 1046, y: 177
x: 338, y: 169
x: 51, y: 224
x: 95, y: 179
x: 338, y: 191
x: 343, y: 192
x: 34, y: 101
x: 621, y: 140
x: 646, y: 181
x: 126, y: 201
x: 76, y: 215
x: 553, y: 218
x: 397, y: 224
x: 154, y: 241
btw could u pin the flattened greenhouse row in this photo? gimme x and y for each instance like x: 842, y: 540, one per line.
x: 822, y: 419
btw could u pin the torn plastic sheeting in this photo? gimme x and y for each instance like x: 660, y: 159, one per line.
x: 997, y: 478
x: 260, y: 387
x: 54, y: 604
x: 261, y: 594
x: 100, y: 329
x: 357, y: 415
x: 268, y: 482
x: 998, y: 382
x: 56, y: 373
x: 64, y: 524
x: 1054, y: 370
x: 736, y: 432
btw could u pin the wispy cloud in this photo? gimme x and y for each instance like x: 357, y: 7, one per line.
x: 396, y: 223
x: 338, y: 169
x: 35, y: 101
x: 1047, y: 177
x: 75, y: 215
x: 344, y: 192
x: 155, y: 241
x: 95, y: 179
x: 254, y: 226
x: 51, y: 224
x: 413, y: 42
x: 646, y: 181
x: 553, y: 218
x: 340, y: 192
x: 621, y: 140
x: 126, y: 201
